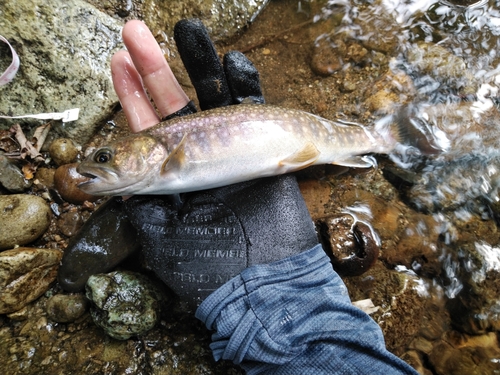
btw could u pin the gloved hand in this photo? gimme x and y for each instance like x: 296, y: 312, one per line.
x: 215, y: 234
x: 199, y: 244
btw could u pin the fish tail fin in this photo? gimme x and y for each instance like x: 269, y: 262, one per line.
x: 409, y: 128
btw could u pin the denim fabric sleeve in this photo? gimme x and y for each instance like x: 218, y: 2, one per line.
x: 294, y: 316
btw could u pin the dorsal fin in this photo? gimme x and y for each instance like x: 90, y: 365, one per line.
x: 176, y: 158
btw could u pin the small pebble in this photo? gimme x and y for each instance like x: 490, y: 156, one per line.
x: 326, y: 58
x: 66, y: 308
x: 11, y: 177
x: 66, y: 180
x: 70, y: 222
x: 63, y: 151
x: 45, y: 177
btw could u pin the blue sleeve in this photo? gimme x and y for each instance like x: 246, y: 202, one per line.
x: 294, y: 316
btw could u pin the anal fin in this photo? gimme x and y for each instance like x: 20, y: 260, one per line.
x: 357, y: 162
x: 302, y: 158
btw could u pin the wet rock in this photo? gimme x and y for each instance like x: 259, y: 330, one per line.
x: 63, y: 151
x: 382, y: 101
x: 416, y: 248
x: 378, y: 31
x: 395, y: 292
x: 414, y: 359
x: 106, y: 239
x: 64, y: 308
x: 223, y: 18
x: 11, y: 176
x: 459, y: 354
x: 65, y: 49
x: 45, y: 177
x: 327, y: 56
x: 66, y: 181
x: 70, y: 222
x: 356, y: 53
x: 441, y: 66
x: 25, y: 274
x: 24, y: 218
x: 351, y: 244
x: 125, y: 304
x: 390, y: 90
x: 121, y: 8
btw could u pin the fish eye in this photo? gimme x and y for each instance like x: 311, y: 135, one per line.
x: 102, y: 156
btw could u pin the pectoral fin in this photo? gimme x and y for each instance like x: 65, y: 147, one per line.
x: 357, y: 162
x: 176, y: 158
x: 302, y: 158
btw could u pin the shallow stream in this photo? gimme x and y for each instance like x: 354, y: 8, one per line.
x: 435, y: 64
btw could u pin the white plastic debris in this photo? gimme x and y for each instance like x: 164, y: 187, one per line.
x: 11, y: 71
x: 66, y: 116
x: 366, y: 305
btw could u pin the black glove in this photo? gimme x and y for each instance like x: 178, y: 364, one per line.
x: 199, y: 244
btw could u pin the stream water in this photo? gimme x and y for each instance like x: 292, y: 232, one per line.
x: 432, y: 64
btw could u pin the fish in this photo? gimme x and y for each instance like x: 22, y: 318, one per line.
x: 226, y: 145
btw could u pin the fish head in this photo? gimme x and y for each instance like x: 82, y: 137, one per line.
x: 124, y: 167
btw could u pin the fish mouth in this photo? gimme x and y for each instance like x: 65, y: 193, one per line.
x: 88, y: 175
x: 98, y: 178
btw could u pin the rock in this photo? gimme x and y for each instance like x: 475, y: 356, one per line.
x: 65, y: 48
x: 443, y: 66
x: 223, y: 18
x: 63, y: 151
x: 25, y: 274
x: 11, y: 177
x: 379, y: 31
x: 352, y: 245
x: 125, y: 304
x: 459, y: 354
x: 357, y: 54
x: 45, y: 177
x: 382, y: 101
x: 24, y: 218
x: 66, y: 181
x: 413, y: 358
x: 64, y: 308
x: 70, y: 222
x: 106, y: 239
x: 327, y: 56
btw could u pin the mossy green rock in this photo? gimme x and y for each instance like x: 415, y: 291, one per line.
x: 125, y: 304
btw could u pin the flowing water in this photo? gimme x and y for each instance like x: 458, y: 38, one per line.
x: 433, y: 64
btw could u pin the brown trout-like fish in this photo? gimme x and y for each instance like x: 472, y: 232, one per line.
x: 227, y: 145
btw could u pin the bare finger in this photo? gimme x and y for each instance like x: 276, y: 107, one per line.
x: 130, y: 90
x: 153, y: 68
